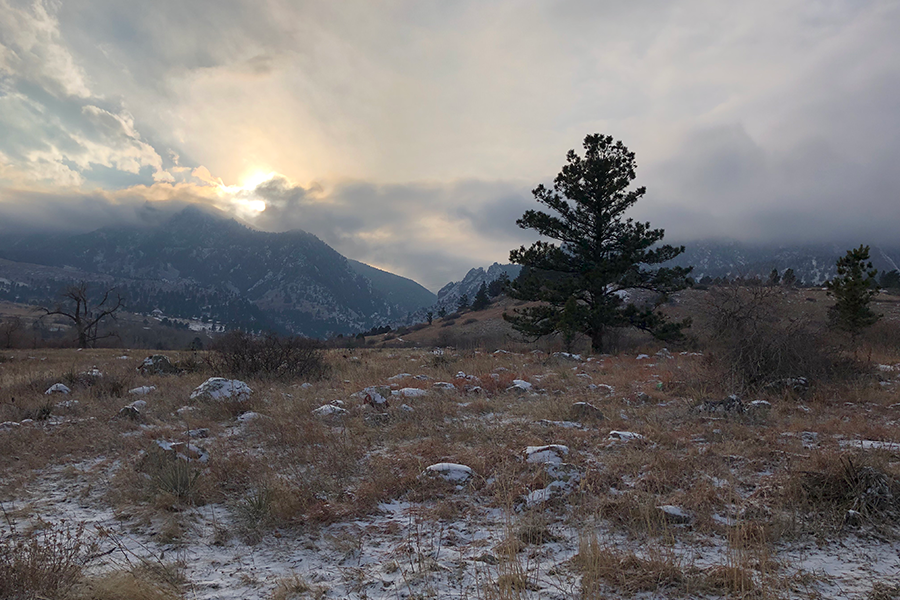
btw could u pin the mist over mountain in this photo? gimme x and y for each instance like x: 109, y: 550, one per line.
x: 201, y: 264
x: 813, y: 264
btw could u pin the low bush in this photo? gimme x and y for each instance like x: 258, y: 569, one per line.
x: 270, y: 356
x: 43, y: 564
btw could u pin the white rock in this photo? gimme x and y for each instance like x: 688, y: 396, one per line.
x: 139, y: 404
x: 248, y: 416
x: 329, y: 410
x: 444, y: 385
x: 452, y: 472
x: 521, y: 385
x: 93, y: 372
x: 551, y: 453
x: 406, y: 408
x: 143, y: 390
x: 642, y: 356
x: 625, y: 436
x: 9, y: 425
x: 305, y: 385
x: 399, y: 376
x: 412, y: 392
x: 58, y: 388
x: 219, y: 388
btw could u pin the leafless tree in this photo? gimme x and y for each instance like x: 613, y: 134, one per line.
x: 8, y: 329
x: 75, y: 305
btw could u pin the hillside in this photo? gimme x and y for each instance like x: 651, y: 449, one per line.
x: 203, y: 265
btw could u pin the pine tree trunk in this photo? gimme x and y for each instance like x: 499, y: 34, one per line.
x: 597, y: 340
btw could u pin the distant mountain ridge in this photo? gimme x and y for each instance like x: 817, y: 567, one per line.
x: 291, y: 281
x: 813, y: 264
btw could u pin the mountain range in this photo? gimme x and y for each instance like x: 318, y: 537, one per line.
x: 200, y: 264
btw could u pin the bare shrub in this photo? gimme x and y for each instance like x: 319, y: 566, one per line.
x: 270, y: 356
x: 43, y: 564
x: 758, y: 342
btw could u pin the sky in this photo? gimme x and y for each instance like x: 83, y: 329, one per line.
x: 408, y: 134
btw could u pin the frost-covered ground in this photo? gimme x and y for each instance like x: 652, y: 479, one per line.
x: 583, y: 478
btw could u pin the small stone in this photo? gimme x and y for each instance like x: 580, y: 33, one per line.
x: 452, y: 472
x: 142, y: 391
x: 221, y: 389
x: 675, y: 514
x: 520, y: 385
x: 585, y: 411
x: 329, y: 410
x: 412, y: 392
x: 58, y: 388
x: 551, y: 453
x: 157, y: 364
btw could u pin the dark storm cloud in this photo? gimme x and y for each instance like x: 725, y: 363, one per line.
x: 427, y: 124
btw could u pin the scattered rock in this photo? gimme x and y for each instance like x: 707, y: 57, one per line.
x: 412, y: 392
x: 566, y: 356
x: 603, y: 388
x: 452, y: 472
x: 675, y: 515
x: 399, y: 376
x: 795, y: 384
x: 203, y: 432
x: 58, y: 388
x: 624, y: 436
x: 375, y: 398
x: 759, y: 408
x: 731, y: 405
x: 9, y: 425
x: 67, y: 404
x: 305, y: 385
x: 142, y: 391
x: 157, y: 364
x: 563, y: 424
x: 549, y: 454
x: 248, y: 417
x: 329, y: 410
x: 642, y: 357
x: 406, y: 408
x: 444, y: 385
x: 92, y: 372
x: 520, y: 385
x: 585, y: 411
x: 130, y: 412
x: 220, y: 389
x: 186, y: 452
x: 565, y: 477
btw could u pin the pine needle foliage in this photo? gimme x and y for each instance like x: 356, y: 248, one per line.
x: 601, y: 254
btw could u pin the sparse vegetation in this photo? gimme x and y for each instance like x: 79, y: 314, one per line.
x: 667, y: 486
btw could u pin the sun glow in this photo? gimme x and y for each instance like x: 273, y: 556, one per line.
x: 250, y: 182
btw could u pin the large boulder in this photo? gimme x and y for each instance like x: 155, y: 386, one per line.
x: 219, y: 389
x: 157, y: 364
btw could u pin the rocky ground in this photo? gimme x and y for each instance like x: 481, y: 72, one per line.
x: 414, y: 473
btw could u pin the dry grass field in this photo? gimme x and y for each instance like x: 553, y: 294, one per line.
x: 629, y: 475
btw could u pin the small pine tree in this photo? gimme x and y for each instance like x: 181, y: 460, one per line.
x: 853, y: 289
x: 890, y: 280
x: 498, y: 286
x: 481, y: 300
x: 789, y: 279
x: 442, y: 312
x: 463, y: 303
x: 774, y: 278
x: 430, y: 316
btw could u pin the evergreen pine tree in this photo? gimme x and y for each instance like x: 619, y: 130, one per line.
x: 481, y: 300
x: 853, y: 289
x: 601, y: 254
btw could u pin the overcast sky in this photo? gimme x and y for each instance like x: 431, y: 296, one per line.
x: 408, y: 134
